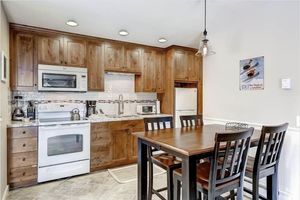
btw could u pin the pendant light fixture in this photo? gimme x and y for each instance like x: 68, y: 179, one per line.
x: 205, y: 48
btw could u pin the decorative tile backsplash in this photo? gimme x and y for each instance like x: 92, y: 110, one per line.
x: 115, y: 84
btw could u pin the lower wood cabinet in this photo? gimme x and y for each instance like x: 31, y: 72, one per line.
x: 112, y: 143
x: 22, y: 156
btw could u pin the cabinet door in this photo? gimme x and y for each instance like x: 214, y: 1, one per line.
x: 160, y: 72
x: 193, y: 67
x: 119, y: 145
x: 50, y: 49
x: 74, y: 52
x: 24, y: 61
x: 113, y: 57
x: 132, y: 59
x: 132, y: 147
x: 148, y: 75
x: 95, y: 67
x: 180, y: 65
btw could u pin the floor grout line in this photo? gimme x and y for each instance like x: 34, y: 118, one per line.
x: 107, y: 191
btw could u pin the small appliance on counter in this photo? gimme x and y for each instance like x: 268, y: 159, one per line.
x: 18, y: 113
x: 157, y: 107
x: 31, y: 110
x: 75, y: 114
x: 90, y: 108
x: 146, y: 109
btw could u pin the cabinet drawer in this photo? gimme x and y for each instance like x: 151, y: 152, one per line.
x: 23, y: 132
x: 100, y: 138
x: 23, y: 159
x: 97, y: 150
x: 133, y: 125
x: 101, y: 159
x: 100, y: 127
x: 23, y: 145
x: 22, y: 174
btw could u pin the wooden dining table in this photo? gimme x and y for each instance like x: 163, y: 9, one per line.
x: 188, y: 143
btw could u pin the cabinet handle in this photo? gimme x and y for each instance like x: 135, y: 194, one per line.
x: 35, y: 84
x: 24, y: 132
x: 24, y: 145
x: 65, y: 62
x: 24, y: 159
x: 61, y: 62
x: 24, y: 173
x: 100, y: 149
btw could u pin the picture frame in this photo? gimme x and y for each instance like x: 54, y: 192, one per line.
x: 4, y: 66
x: 252, y: 73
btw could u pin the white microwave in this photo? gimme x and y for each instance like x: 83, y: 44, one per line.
x: 60, y: 78
x: 146, y: 109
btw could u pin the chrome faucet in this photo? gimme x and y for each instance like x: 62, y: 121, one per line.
x: 121, y: 105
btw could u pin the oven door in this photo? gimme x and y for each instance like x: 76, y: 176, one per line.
x: 63, y: 143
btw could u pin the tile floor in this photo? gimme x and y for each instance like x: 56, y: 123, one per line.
x: 95, y: 186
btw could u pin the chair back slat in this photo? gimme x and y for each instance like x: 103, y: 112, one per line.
x: 230, y: 156
x: 269, y: 147
x: 157, y: 121
x: 188, y: 120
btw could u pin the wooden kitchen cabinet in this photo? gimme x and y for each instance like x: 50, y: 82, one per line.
x: 61, y: 50
x: 153, y: 72
x: 95, y: 66
x: 22, y: 156
x: 23, y: 65
x: 50, y: 49
x: 113, y: 57
x: 186, y: 66
x: 132, y: 59
x: 112, y: 143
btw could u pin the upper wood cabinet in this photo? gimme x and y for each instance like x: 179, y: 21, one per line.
x: 23, y: 54
x: 59, y: 50
x: 95, y: 65
x: 50, y: 49
x: 132, y: 59
x: 119, y: 58
x: 153, y: 72
x: 186, y: 66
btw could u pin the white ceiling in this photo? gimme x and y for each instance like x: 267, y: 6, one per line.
x: 179, y: 21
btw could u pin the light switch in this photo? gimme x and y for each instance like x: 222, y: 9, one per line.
x: 286, y: 84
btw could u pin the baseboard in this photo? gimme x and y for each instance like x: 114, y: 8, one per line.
x: 5, y: 193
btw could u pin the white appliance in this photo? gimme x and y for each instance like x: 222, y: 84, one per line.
x: 63, y: 144
x: 185, y: 103
x: 146, y: 109
x: 59, y: 78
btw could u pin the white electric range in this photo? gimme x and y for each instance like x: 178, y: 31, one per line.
x: 63, y: 144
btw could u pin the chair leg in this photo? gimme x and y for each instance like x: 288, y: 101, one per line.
x: 150, y: 176
x: 205, y: 197
x: 255, y: 188
x: 176, y: 190
x: 240, y: 193
x: 272, y: 187
x: 199, y: 196
x: 170, y: 183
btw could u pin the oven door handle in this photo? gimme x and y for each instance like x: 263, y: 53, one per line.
x: 63, y: 126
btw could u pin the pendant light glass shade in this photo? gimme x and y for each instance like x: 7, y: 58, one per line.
x: 205, y: 48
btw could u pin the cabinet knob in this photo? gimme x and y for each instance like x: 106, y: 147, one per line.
x: 61, y: 62
x: 100, y: 137
x: 100, y: 160
x: 100, y: 149
x: 24, y: 159
x: 24, y: 132
x: 24, y: 173
x: 65, y: 62
x: 130, y: 124
x: 128, y: 133
x: 35, y: 84
x: 24, y: 145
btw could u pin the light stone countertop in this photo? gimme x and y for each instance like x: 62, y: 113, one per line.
x: 16, y: 124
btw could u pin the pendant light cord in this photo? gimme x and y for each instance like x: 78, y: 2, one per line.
x: 205, y: 32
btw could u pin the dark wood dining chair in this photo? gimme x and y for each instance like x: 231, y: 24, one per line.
x: 191, y: 120
x: 163, y: 160
x: 226, y: 170
x: 265, y: 163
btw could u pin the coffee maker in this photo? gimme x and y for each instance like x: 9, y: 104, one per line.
x: 90, y: 108
x: 18, y: 113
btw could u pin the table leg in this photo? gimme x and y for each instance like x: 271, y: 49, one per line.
x: 189, y: 184
x: 142, y: 170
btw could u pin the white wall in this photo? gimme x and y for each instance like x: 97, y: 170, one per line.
x: 271, y: 31
x: 4, y: 106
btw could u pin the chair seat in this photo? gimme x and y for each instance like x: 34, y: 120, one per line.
x: 249, y: 168
x: 166, y: 160
x: 203, y: 171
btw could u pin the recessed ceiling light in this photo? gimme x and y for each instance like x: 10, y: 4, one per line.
x: 162, y: 40
x: 123, y: 33
x: 72, y: 23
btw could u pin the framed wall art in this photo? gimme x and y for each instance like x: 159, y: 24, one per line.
x: 252, y: 74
